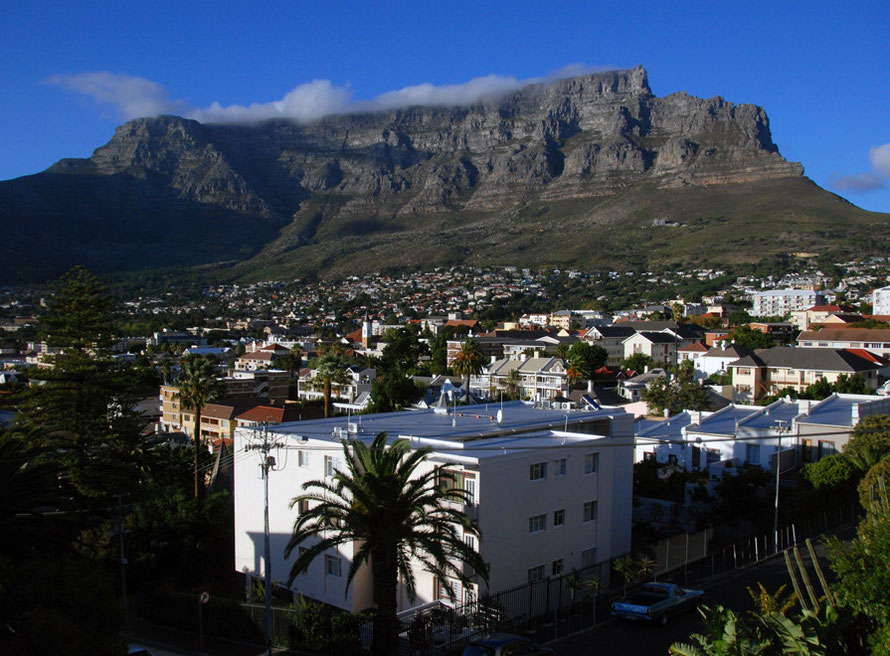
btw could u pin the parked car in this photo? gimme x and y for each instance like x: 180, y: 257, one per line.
x: 656, y: 602
x: 139, y: 650
x: 504, y: 644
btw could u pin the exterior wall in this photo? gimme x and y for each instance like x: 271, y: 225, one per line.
x: 753, y: 383
x: 284, y: 485
x: 505, y: 500
x: 783, y: 301
x: 880, y: 300
x: 661, y: 353
x: 881, y: 348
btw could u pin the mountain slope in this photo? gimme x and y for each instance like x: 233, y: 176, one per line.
x: 572, y: 172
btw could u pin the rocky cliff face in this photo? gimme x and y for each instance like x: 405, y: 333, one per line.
x: 239, y: 186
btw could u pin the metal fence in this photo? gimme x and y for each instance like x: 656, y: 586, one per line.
x: 541, y: 610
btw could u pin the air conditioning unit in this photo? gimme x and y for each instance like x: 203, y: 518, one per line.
x: 338, y: 431
x: 352, y: 427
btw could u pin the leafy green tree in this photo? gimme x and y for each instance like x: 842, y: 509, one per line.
x: 587, y: 357
x: 638, y: 362
x: 394, y: 391
x: 675, y: 396
x: 862, y: 568
x: 28, y: 493
x: 468, y: 362
x: 393, y: 510
x: 829, y: 473
x: 752, y: 339
x: 869, y: 443
x: 819, y: 390
x: 739, y: 318
x: 80, y: 410
x: 403, y: 350
x: 198, y: 386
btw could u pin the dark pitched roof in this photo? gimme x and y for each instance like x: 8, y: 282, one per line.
x: 814, y: 359
x: 658, y: 338
x: 615, y: 331
x: 847, y: 335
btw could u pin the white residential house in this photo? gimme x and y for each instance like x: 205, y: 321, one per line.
x: 555, y: 494
x: 693, y: 353
x: 740, y: 435
x: 358, y: 380
x: 873, y: 340
x: 612, y: 339
x: 718, y: 359
x: 541, y: 379
x: 661, y: 347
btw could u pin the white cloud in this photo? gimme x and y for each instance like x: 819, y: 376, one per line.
x: 134, y: 97
x: 306, y: 102
x: 477, y: 89
x: 879, y: 157
x: 131, y: 96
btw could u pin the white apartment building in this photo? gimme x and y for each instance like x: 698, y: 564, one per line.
x: 552, y: 491
x: 880, y: 300
x: 778, y: 302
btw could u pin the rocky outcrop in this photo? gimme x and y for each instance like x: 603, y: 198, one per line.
x: 241, y: 185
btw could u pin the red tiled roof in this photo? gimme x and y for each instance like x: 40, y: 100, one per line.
x: 871, y: 357
x: 698, y: 346
x: 259, y: 355
x: 824, y: 308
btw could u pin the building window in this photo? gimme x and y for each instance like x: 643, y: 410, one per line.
x: 591, y: 463
x: 470, y: 541
x: 557, y: 567
x: 332, y: 565
x: 537, y: 472
x: 454, y: 479
x: 588, y: 557
x: 537, y: 523
x: 752, y: 454
x: 328, y: 466
x: 303, y: 508
x: 303, y: 458
x: 590, y: 511
x: 559, y: 517
x: 560, y: 467
x: 536, y: 574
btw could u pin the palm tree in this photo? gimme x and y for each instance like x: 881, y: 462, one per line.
x: 513, y: 386
x: 198, y: 386
x: 329, y: 372
x: 468, y: 361
x: 393, y: 512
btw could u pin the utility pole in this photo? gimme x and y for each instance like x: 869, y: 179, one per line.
x: 267, y: 464
x: 781, y: 427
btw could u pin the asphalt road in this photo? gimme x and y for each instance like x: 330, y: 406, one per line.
x: 636, y: 639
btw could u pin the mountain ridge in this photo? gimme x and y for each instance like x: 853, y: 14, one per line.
x: 413, y: 185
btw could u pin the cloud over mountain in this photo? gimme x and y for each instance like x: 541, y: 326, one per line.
x: 136, y: 97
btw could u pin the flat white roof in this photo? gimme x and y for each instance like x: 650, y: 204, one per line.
x: 475, y: 428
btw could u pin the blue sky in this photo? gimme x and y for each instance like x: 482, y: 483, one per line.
x: 72, y: 72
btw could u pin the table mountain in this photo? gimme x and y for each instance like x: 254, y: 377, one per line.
x: 589, y: 171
